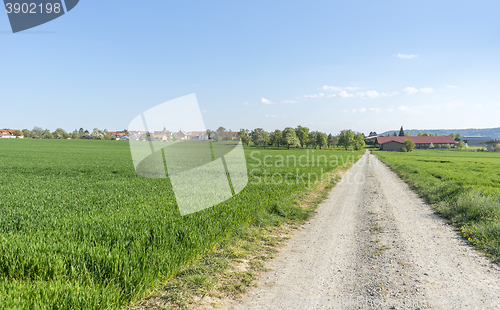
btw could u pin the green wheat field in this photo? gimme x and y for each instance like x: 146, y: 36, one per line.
x: 80, y: 230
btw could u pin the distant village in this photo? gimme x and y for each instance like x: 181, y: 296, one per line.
x: 163, y: 135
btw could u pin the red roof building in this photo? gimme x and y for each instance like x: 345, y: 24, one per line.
x: 421, y: 142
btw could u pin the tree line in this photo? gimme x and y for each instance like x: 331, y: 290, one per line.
x: 59, y: 133
x: 302, y: 137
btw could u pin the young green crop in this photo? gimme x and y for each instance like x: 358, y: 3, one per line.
x: 80, y: 230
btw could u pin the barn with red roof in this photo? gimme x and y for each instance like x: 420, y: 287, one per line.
x: 421, y: 142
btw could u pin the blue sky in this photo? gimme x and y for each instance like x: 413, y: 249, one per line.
x: 328, y: 65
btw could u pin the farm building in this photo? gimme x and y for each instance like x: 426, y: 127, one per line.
x: 490, y: 144
x: 475, y: 141
x: 421, y: 142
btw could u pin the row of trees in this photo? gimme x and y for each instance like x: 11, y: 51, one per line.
x: 59, y: 133
x: 402, y: 133
x: 302, y: 137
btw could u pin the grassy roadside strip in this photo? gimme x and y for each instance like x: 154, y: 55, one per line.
x: 228, y: 270
x: 475, y: 215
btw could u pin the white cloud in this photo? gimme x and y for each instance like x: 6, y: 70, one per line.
x: 362, y: 110
x: 315, y: 95
x: 369, y: 94
x: 497, y: 104
x: 376, y: 110
x: 331, y: 96
x: 331, y: 88
x: 247, y: 103
x: 403, y: 108
x: 388, y: 94
x: 410, y: 90
x: 345, y: 111
x: 426, y: 90
x: 352, y: 88
x: 354, y: 110
x: 266, y: 101
x: 407, y: 56
x: 344, y: 94
x: 390, y: 110
x: 289, y: 101
x: 451, y: 86
x: 478, y: 105
x: 273, y: 116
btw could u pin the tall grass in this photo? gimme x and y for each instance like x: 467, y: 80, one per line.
x: 80, y: 230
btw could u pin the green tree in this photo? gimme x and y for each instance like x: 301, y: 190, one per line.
x: 394, y: 134
x: 302, y: 134
x: 346, y: 138
x: 290, y: 137
x: 60, y: 133
x: 244, y: 136
x: 258, y: 137
x: 461, y: 145
x: 409, y: 144
x: 17, y: 133
x: 321, y: 139
x: 401, y: 132
x: 75, y: 135
x: 210, y: 134
x: 37, y: 132
x: 98, y: 134
x: 46, y: 134
x: 420, y: 134
x: 27, y: 133
x: 175, y: 137
x: 275, y: 137
x: 221, y: 134
x: 359, y: 141
x: 311, y: 142
x: 431, y: 146
x: 332, y: 140
x: 448, y: 146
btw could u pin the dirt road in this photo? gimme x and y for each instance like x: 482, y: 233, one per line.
x: 374, y: 244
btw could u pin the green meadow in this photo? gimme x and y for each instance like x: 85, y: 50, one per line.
x: 462, y: 186
x: 80, y: 230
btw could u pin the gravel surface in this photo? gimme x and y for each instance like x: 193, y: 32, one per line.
x: 374, y: 244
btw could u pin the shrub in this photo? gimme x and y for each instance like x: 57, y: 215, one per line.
x: 409, y: 145
x: 431, y: 146
x: 496, y: 148
x: 448, y: 146
x: 404, y: 149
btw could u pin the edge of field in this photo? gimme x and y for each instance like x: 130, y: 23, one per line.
x: 228, y: 270
x: 476, y: 217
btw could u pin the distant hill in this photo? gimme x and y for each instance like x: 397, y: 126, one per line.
x: 489, y: 132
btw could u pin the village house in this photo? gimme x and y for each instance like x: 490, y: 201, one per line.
x: 9, y: 134
x: 198, y: 135
x: 421, y: 142
x: 183, y: 135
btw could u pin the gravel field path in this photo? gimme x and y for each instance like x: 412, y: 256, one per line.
x: 374, y: 244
